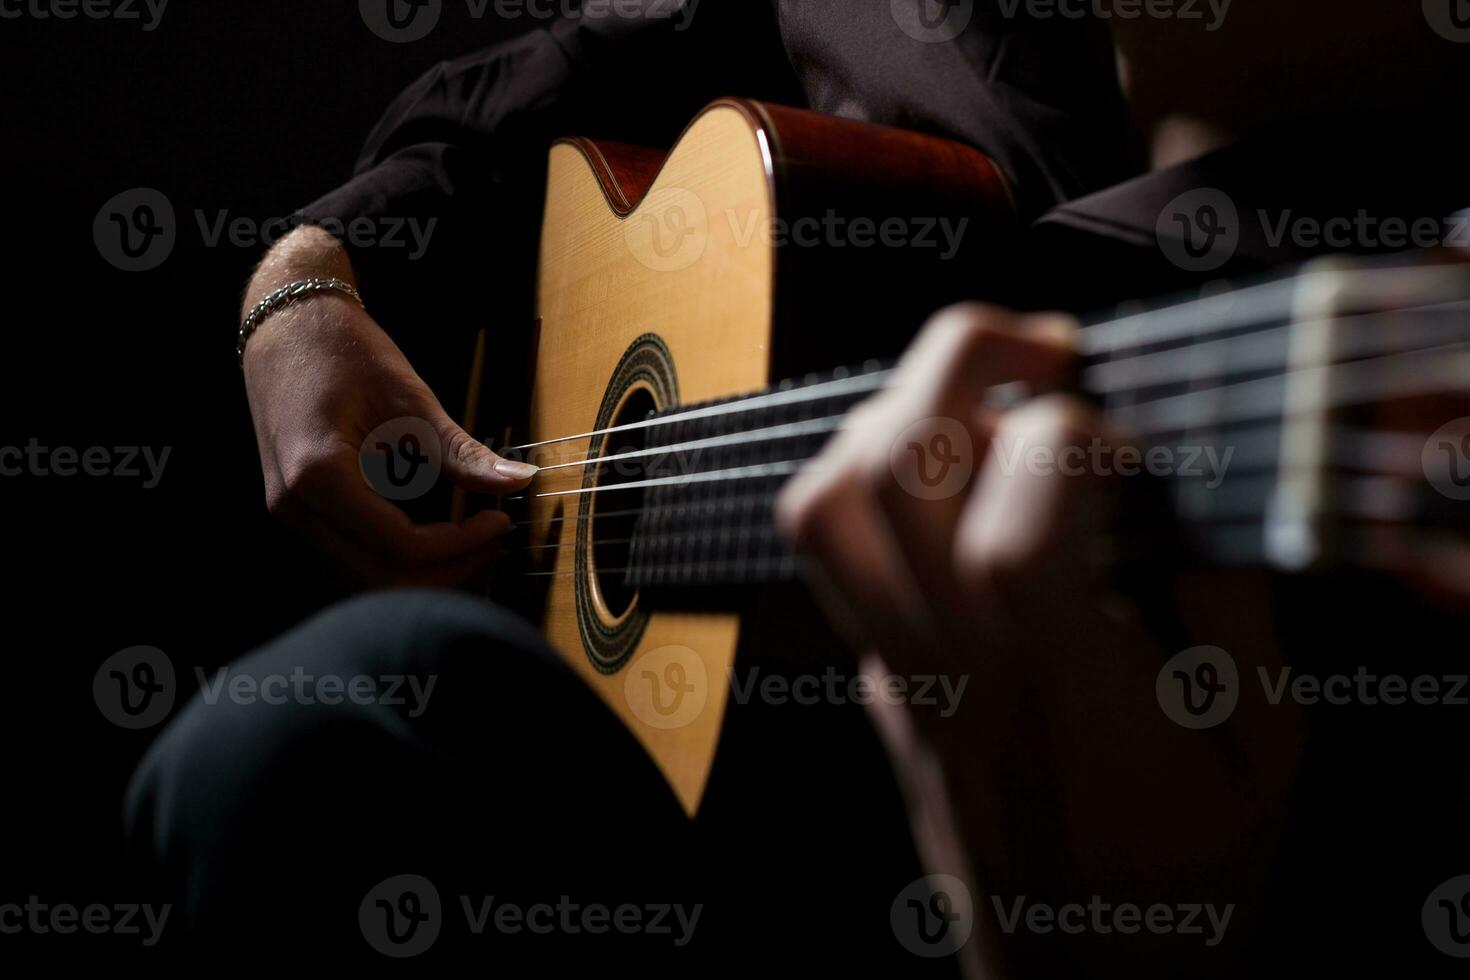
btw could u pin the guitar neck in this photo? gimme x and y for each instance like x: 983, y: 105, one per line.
x: 1217, y: 392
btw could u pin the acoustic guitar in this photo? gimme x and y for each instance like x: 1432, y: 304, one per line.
x: 691, y: 304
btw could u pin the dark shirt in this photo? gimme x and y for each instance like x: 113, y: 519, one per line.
x: 1352, y: 185
x: 466, y: 146
x: 466, y: 143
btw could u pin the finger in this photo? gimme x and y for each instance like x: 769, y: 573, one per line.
x: 859, y: 574
x: 368, y: 566
x: 451, y: 574
x: 335, y: 492
x: 470, y: 464
x: 937, y: 430
x: 1028, y: 537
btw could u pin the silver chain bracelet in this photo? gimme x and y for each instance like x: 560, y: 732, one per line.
x: 280, y: 298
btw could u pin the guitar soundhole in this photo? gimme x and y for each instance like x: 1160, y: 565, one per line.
x: 615, y: 512
x: 609, y: 615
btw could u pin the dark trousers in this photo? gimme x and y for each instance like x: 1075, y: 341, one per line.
x: 506, y: 812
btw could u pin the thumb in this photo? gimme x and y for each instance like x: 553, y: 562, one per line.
x: 471, y: 465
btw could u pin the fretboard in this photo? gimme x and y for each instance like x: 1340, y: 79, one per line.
x: 1212, y: 390
x: 707, y: 515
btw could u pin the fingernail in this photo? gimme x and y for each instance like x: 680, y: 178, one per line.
x: 513, y: 470
x: 1057, y: 327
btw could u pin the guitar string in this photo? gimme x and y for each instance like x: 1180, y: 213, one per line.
x: 1250, y: 528
x: 1133, y: 337
x: 1354, y: 449
x: 734, y: 501
x: 855, y: 384
x: 1257, y: 353
x: 1425, y: 371
x: 1242, y: 307
x: 1255, y: 399
x: 1261, y: 350
x: 775, y: 433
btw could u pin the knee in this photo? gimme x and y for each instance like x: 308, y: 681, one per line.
x: 362, y: 686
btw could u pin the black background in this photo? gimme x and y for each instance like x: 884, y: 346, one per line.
x: 255, y: 107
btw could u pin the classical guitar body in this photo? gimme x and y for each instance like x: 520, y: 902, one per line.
x: 682, y: 279
x: 691, y: 307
